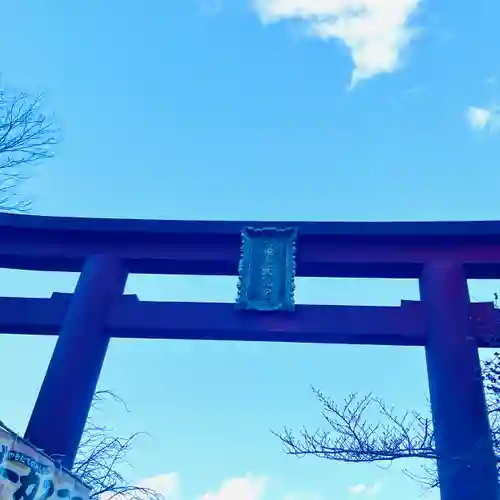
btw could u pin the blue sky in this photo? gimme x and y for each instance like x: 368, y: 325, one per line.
x: 271, y: 109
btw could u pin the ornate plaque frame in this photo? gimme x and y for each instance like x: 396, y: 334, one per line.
x: 267, y: 269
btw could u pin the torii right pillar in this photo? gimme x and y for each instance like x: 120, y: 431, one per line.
x: 466, y: 461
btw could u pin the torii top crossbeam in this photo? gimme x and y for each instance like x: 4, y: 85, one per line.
x: 326, y: 249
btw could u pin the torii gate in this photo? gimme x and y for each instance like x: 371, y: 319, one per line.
x: 442, y: 255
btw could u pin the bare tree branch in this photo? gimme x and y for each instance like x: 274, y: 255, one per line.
x: 351, y: 437
x: 27, y: 136
x: 101, y: 454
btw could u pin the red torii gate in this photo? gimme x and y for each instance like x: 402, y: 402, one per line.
x: 442, y: 255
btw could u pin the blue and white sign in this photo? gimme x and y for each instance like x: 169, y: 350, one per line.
x: 27, y: 474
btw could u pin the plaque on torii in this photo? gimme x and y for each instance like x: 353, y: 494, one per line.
x: 267, y: 269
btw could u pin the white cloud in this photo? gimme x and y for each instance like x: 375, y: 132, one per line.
x: 357, y: 489
x: 166, y: 485
x: 479, y: 118
x: 375, y: 31
x: 239, y: 488
x: 369, y: 490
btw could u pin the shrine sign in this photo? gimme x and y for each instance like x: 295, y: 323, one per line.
x: 28, y: 474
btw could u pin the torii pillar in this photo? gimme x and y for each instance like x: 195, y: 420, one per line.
x: 60, y: 413
x: 466, y: 461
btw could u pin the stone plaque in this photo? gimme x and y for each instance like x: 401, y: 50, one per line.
x: 267, y: 269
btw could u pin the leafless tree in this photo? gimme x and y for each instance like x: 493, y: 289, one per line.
x: 363, y: 429
x: 27, y: 136
x: 100, y: 456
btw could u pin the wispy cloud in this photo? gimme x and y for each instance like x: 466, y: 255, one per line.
x: 480, y: 118
x: 239, y: 488
x: 247, y: 487
x: 357, y: 489
x: 368, y: 490
x: 166, y: 485
x: 375, y: 31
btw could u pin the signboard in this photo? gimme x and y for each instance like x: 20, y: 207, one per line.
x: 26, y: 474
x: 267, y: 269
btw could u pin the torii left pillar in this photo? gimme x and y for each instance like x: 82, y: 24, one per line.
x: 60, y: 413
